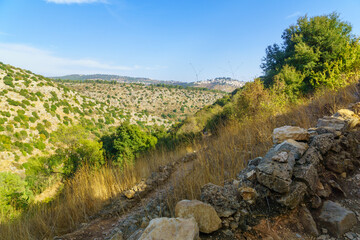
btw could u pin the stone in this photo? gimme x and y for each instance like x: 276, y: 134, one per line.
x: 295, y: 195
x: 223, y: 199
x: 323, y: 142
x: 281, y: 157
x: 337, y: 123
x: 312, y: 156
x: 129, y: 193
x: 204, y: 214
x: 275, y: 175
x: 308, y: 222
x: 315, y: 201
x: 248, y: 194
x: 293, y: 147
x: 251, y: 175
x: 338, y: 163
x: 336, y: 219
x: 307, y: 174
x: 171, y: 228
x: 254, y: 162
x: 290, y: 132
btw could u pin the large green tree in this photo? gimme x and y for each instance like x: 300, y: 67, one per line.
x: 316, y: 52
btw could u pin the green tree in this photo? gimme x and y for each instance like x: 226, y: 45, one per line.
x: 127, y: 143
x: 317, y: 52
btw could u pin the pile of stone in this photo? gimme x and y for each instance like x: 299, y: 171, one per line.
x: 301, y: 167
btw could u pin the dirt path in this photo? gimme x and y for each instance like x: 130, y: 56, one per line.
x: 125, y: 215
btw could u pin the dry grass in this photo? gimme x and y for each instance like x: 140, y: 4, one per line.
x: 224, y: 156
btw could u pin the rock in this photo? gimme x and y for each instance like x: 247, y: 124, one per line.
x: 248, y: 194
x: 323, y: 142
x: 338, y: 163
x: 117, y: 236
x: 337, y: 219
x: 281, y: 157
x: 295, y: 195
x: 337, y: 123
x: 273, y: 174
x: 308, y: 222
x: 323, y: 190
x: 129, y: 193
x: 315, y: 201
x: 290, y: 132
x: 254, y: 162
x: 171, y: 228
x: 296, y: 149
x: 312, y: 156
x: 223, y: 199
x: 251, y: 175
x: 352, y: 120
x: 204, y: 214
x: 307, y: 174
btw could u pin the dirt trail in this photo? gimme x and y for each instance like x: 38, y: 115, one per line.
x: 118, y: 216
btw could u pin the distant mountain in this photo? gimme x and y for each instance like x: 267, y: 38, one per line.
x: 225, y: 84
x: 118, y: 78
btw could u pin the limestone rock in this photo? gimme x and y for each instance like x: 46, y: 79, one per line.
x: 255, y: 161
x: 204, y: 214
x: 295, y: 195
x: 294, y: 148
x: 307, y: 221
x: 323, y: 142
x: 311, y: 156
x: 281, y: 157
x: 248, y: 194
x: 337, y: 219
x: 337, y: 123
x: 308, y: 174
x: 171, y: 228
x: 289, y: 132
x: 129, y: 193
x: 273, y: 174
x: 223, y: 199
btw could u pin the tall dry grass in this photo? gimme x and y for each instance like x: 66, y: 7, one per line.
x: 222, y: 158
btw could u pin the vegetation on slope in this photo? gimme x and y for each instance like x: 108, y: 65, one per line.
x: 243, y: 124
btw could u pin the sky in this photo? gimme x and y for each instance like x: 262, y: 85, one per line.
x: 182, y: 40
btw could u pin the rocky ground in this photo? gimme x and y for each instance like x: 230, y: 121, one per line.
x: 307, y: 186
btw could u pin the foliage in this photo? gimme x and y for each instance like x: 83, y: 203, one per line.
x: 317, y: 52
x: 14, y: 195
x: 127, y: 143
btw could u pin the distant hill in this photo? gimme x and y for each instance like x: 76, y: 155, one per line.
x: 118, y: 78
x: 225, y: 84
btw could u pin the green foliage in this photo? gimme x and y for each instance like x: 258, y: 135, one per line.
x: 127, y: 143
x: 14, y: 195
x: 316, y: 52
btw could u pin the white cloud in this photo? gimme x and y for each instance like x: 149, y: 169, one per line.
x: 46, y: 63
x: 295, y: 14
x: 75, y: 1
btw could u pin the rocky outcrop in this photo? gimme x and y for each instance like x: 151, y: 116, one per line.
x: 204, y: 214
x: 171, y: 228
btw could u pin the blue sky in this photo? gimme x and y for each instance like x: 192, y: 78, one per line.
x: 160, y: 39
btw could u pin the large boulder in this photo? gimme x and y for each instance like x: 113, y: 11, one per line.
x: 223, y: 199
x: 204, y: 214
x: 171, y: 228
x: 289, y: 132
x: 293, y: 147
x: 337, y: 219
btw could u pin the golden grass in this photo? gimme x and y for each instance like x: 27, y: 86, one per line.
x: 225, y: 155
